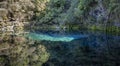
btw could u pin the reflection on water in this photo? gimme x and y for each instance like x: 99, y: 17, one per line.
x: 97, y: 49
x: 52, y: 48
x: 16, y: 50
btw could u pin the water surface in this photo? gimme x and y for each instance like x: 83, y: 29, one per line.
x: 80, y: 48
x: 60, y: 48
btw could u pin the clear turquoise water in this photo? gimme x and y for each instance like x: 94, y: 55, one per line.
x: 47, y: 37
x: 80, y: 48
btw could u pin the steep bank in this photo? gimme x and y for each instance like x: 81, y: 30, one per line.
x: 65, y: 14
x: 55, y: 14
x: 91, y: 14
x: 16, y: 50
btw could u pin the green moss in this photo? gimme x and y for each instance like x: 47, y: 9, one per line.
x: 2, y: 59
x: 94, y: 27
x: 113, y: 29
x: 108, y: 29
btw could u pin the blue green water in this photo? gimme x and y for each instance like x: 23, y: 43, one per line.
x: 79, y: 48
x: 54, y: 37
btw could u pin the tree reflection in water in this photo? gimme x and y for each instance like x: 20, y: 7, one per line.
x: 97, y: 49
x: 16, y: 50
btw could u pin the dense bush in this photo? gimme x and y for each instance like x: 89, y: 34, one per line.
x: 85, y: 13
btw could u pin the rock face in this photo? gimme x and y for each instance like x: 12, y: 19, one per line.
x: 99, y: 12
x: 13, y: 15
x: 17, y: 12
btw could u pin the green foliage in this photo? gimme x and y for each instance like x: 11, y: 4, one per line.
x: 52, y: 10
x: 109, y: 29
x: 64, y: 13
x: 2, y: 59
x: 84, y: 6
